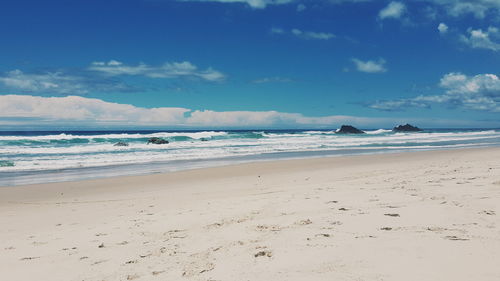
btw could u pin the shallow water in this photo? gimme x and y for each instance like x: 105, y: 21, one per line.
x: 36, y: 157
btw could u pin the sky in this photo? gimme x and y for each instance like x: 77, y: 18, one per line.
x: 249, y: 64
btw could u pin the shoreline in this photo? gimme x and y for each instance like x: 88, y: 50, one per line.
x: 39, y: 158
x: 410, y: 216
x: 160, y: 167
x: 272, y: 162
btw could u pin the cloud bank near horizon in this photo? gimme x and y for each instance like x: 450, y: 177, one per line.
x: 25, y: 110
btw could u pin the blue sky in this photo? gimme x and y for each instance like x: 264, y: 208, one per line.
x: 249, y: 63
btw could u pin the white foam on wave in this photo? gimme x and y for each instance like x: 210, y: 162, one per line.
x: 193, y: 135
x: 379, y: 131
x: 42, y: 157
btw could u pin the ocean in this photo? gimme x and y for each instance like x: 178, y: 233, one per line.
x: 53, y: 156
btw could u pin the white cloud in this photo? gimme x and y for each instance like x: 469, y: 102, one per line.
x: 272, y: 80
x: 312, y: 35
x: 255, y: 4
x: 167, y: 70
x: 277, y: 30
x: 58, y: 82
x: 370, y: 66
x: 51, y: 81
x: 477, y: 38
x: 301, y: 7
x: 478, y: 8
x: 393, y: 10
x: 348, y: 1
x: 307, y: 35
x: 443, y: 28
x: 458, y: 83
x: 100, y: 77
x: 397, y: 105
x: 479, y: 92
x: 75, y: 110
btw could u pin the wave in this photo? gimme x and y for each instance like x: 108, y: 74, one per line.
x: 63, y: 136
x: 6, y: 163
x: 57, y: 151
x: 379, y: 131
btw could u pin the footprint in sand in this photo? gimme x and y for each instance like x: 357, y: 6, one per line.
x: 98, y: 262
x: 29, y: 258
x: 132, y: 277
x: 392, y: 215
x: 265, y: 253
x: 455, y: 238
x: 273, y: 228
x: 304, y: 222
x: 201, y: 263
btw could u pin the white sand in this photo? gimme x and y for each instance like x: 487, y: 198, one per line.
x: 414, y: 216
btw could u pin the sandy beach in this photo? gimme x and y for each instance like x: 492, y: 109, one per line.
x: 412, y: 216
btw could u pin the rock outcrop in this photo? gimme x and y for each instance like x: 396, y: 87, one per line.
x: 348, y: 129
x: 155, y: 140
x: 120, y: 143
x: 406, y: 128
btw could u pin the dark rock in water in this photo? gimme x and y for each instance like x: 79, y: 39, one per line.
x: 348, y: 129
x: 121, y: 144
x: 156, y: 140
x: 406, y: 128
x: 204, y: 139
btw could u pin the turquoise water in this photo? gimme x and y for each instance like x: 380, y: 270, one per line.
x: 33, y: 157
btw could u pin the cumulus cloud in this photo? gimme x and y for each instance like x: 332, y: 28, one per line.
x: 59, y: 82
x: 255, y: 4
x: 394, y: 10
x: 22, y: 109
x: 370, y: 66
x: 479, y: 92
x: 167, y: 70
x: 81, y: 109
x: 477, y: 38
x: 443, y: 28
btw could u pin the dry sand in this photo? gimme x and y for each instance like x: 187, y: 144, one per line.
x: 412, y: 216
